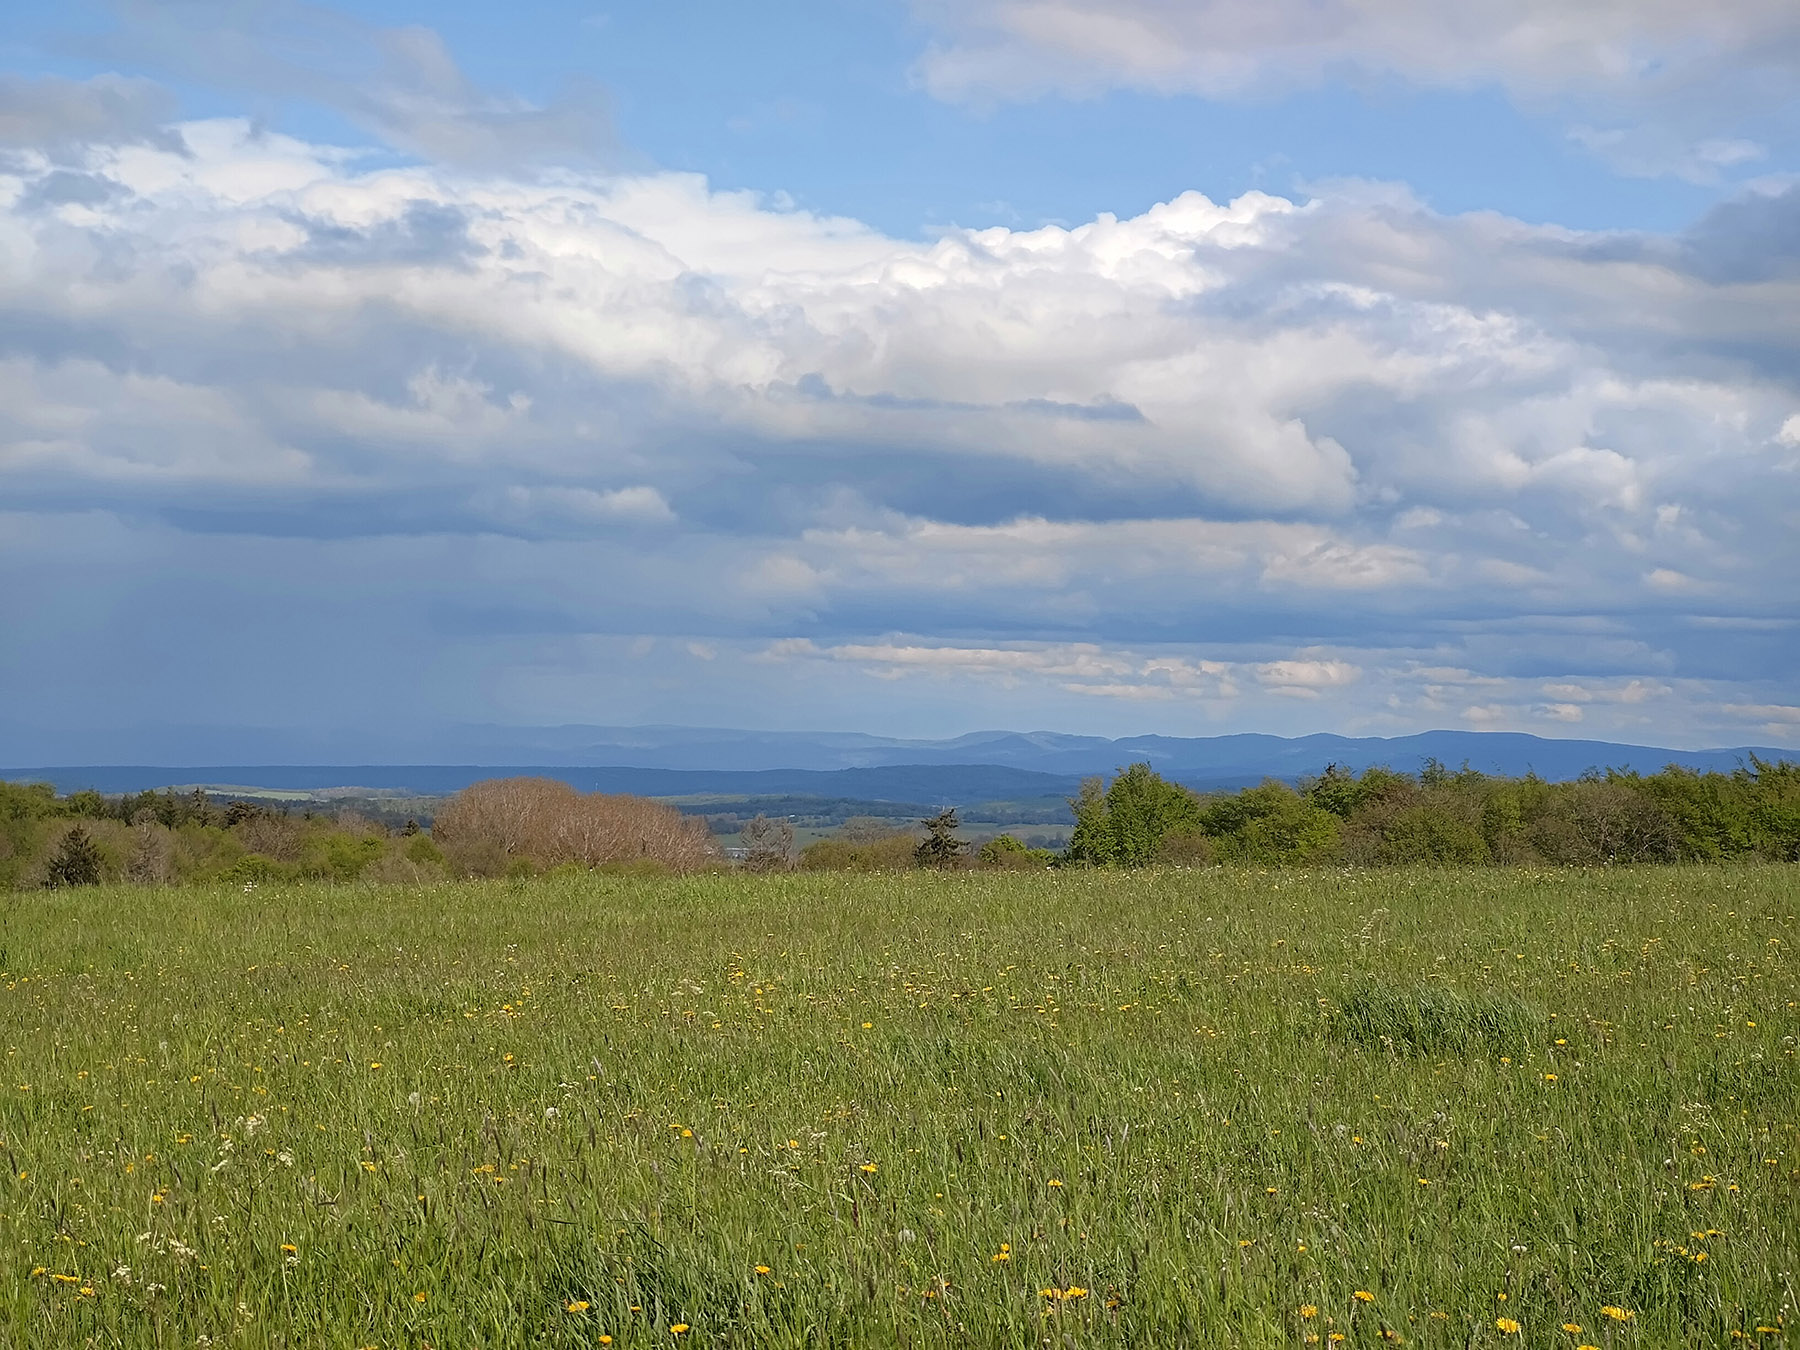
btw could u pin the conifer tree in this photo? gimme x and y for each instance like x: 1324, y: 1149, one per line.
x: 76, y: 861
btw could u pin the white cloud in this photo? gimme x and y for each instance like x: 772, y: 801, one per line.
x: 1272, y: 450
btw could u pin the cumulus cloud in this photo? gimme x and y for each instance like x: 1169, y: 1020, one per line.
x: 1341, y: 452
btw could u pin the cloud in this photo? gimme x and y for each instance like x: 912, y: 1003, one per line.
x: 1339, y: 458
x: 1235, y: 47
x: 1654, y: 88
x: 399, y: 84
x: 55, y: 116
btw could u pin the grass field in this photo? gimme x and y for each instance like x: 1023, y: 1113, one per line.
x: 1201, y: 1108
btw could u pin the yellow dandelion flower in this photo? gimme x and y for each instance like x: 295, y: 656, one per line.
x: 1617, y: 1313
x: 375, y: 1064
x: 1573, y: 1328
x: 1363, y: 1296
x: 419, y: 1297
x: 1506, y: 1324
x: 1055, y: 1182
x: 289, y: 1247
x: 679, y: 1329
x: 1309, y: 1310
x: 869, y: 1167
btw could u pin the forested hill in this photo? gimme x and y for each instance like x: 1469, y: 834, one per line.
x: 982, y: 766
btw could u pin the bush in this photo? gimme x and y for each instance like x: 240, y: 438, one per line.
x: 512, y: 826
x: 1008, y: 854
x: 1272, y: 825
x: 891, y: 852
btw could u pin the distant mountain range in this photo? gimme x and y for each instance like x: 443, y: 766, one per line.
x: 982, y: 766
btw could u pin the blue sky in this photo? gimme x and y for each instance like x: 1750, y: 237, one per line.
x: 370, y: 371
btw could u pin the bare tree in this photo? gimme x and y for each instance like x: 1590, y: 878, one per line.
x: 768, y: 845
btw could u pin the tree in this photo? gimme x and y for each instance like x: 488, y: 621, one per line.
x: 768, y: 844
x: 76, y: 861
x: 941, y: 847
x: 1128, y: 821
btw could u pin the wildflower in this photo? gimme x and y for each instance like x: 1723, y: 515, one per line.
x: 1618, y: 1314
x: 1573, y: 1328
x: 1424, y: 1181
x: 375, y: 1064
x: 680, y: 1328
x: 1549, y: 1078
x: 419, y: 1297
x: 762, y: 1270
x: 580, y: 1305
x: 1055, y: 1182
x: 289, y: 1247
x: 868, y: 1026
x: 1363, y: 1296
x: 1004, y: 1254
x: 1309, y: 1311
x: 871, y: 1168
x: 1506, y: 1324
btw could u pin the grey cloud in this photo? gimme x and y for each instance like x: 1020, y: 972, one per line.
x: 399, y: 84
x: 424, y: 234
x: 1651, y: 88
x: 66, y: 187
x: 57, y: 116
x: 1752, y: 238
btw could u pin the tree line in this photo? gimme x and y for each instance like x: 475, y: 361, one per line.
x: 526, y: 826
x: 1443, y: 816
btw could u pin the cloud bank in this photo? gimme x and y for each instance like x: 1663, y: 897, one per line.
x: 1337, y: 462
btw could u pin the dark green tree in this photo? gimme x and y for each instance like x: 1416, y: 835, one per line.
x: 76, y: 861
x: 940, y: 847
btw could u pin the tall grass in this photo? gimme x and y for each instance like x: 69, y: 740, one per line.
x: 1204, y: 1108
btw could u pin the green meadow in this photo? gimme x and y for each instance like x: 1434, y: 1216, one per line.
x: 1082, y: 1107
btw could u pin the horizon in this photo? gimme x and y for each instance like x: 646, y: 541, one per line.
x: 376, y: 372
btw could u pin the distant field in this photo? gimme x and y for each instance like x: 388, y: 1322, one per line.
x: 1070, y: 1108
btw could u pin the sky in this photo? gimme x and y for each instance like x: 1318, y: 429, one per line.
x: 375, y: 371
